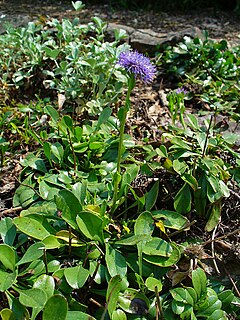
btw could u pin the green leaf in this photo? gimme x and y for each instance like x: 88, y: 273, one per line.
x: 7, y: 314
x: 20, y: 312
x: 36, y: 268
x: 218, y: 315
x: 52, y: 53
x: 52, y: 112
x: 25, y: 195
x: 178, y: 307
x: 34, y: 252
x: 91, y: 225
x: 70, y: 207
x: 51, y: 242
x: 7, y: 257
x: 45, y: 283
x: 34, y: 162
x: 56, y: 308
x: 182, y: 295
x: 78, y: 5
x: 7, y: 231
x: 104, y: 116
x: 171, y: 219
x: 114, y: 287
x: 180, y: 143
x: 133, y: 240
x: 165, y: 261
x: 200, y: 196
x: 47, y: 150
x: 80, y: 191
x: 213, y: 304
x: 144, y: 224
x: 119, y: 315
x: 76, y: 276
x: 151, y: 196
x: 7, y: 279
x: 151, y: 283
x: 193, y: 294
x: 193, y: 122
x: 47, y: 190
x: 215, y: 214
x: 157, y: 247
x: 31, y: 227
x: 74, y: 315
x: 191, y: 180
x: 116, y: 263
x: 34, y: 298
x: 182, y: 200
x: 58, y: 152
x: 226, y: 297
x: 180, y: 166
x: 201, y: 138
x: 199, y: 281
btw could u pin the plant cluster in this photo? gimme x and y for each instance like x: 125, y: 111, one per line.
x: 211, y: 66
x: 58, y: 55
x: 88, y: 243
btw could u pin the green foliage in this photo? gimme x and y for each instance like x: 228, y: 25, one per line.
x: 192, y: 153
x: 68, y: 254
x: 64, y: 58
x: 211, y: 66
x: 200, y: 301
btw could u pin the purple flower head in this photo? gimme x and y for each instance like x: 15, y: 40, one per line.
x: 181, y: 90
x: 137, y: 64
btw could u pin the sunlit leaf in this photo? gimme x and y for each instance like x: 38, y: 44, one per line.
x: 116, y: 263
x: 114, y: 287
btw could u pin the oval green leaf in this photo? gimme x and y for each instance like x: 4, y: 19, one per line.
x: 165, y: 261
x: 34, y: 252
x: 90, y: 225
x: 157, y: 247
x: 76, y: 276
x: 7, y: 256
x: 31, y: 227
x: 34, y: 298
x: 56, y: 308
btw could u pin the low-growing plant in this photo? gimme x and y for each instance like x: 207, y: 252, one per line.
x: 88, y: 243
x: 64, y: 58
x: 193, y: 155
x: 211, y: 66
x: 201, y: 301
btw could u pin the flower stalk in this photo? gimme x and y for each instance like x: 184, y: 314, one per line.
x: 137, y: 66
x: 122, y: 115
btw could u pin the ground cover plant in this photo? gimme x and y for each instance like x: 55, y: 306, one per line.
x: 99, y: 222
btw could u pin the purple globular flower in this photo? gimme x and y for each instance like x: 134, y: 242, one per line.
x: 181, y: 90
x: 137, y: 64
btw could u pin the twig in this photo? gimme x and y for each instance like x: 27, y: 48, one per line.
x: 96, y: 303
x: 158, y: 303
x: 222, y: 237
x: 4, y: 212
x: 104, y: 312
x: 213, y: 251
x: 231, y: 279
x: 235, y: 194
